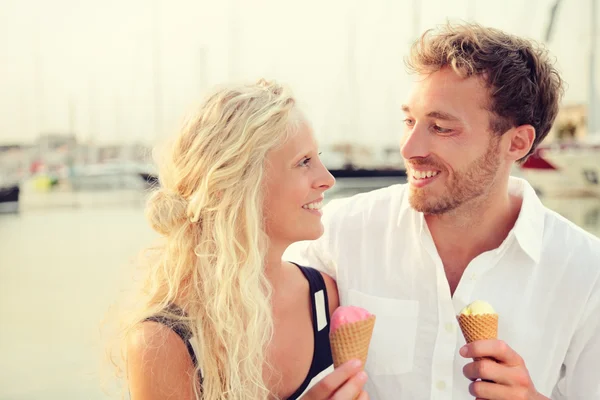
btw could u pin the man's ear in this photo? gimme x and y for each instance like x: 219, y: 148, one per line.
x: 520, y: 140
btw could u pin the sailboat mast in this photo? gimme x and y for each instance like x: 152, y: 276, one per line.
x: 156, y: 70
x: 593, y: 127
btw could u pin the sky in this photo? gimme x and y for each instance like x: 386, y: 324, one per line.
x: 130, y: 70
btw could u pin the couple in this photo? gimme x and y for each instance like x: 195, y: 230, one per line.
x: 223, y: 317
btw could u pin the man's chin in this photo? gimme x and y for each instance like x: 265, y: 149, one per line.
x: 419, y: 200
x: 419, y: 205
x: 427, y: 207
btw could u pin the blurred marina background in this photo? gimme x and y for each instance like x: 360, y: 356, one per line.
x: 88, y: 88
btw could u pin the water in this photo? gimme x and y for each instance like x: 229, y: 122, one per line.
x: 62, y: 267
x: 60, y: 270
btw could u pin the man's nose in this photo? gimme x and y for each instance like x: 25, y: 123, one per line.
x: 414, y: 143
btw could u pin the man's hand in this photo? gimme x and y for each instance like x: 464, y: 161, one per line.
x: 502, y: 371
x: 344, y: 383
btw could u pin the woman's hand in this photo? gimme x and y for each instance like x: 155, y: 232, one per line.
x: 344, y: 383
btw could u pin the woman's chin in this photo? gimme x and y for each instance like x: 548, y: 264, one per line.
x: 312, y: 234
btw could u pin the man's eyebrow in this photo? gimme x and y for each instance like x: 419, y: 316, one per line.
x: 434, y: 114
x: 442, y: 115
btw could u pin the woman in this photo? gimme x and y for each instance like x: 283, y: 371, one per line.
x: 222, y: 316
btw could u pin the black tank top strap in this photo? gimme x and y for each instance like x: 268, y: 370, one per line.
x: 319, y: 298
x: 322, y: 359
x: 179, y: 328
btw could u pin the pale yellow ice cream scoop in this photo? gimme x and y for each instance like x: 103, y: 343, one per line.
x: 478, y: 307
x: 478, y: 321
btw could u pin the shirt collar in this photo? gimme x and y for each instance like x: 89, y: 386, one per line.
x: 528, y: 229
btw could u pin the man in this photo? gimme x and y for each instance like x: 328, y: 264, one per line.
x: 462, y: 229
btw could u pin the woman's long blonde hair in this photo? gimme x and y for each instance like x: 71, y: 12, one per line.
x: 209, y: 208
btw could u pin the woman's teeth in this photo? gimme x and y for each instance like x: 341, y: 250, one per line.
x: 313, y: 206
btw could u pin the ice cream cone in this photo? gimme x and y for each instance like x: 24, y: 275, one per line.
x: 351, y: 341
x: 478, y: 327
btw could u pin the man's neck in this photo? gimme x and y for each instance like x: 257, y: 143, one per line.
x: 475, y: 228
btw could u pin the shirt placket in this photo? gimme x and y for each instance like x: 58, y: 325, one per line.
x: 463, y: 295
x: 442, y: 368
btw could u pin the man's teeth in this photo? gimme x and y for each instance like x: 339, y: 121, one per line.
x: 424, y: 174
x: 313, y: 206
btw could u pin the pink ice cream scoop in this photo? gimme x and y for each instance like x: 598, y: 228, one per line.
x: 347, y: 315
x: 350, y: 334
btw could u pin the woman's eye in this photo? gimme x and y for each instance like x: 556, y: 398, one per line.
x: 305, y: 161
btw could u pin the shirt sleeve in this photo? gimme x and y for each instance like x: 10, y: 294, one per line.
x: 319, y: 253
x: 580, y: 376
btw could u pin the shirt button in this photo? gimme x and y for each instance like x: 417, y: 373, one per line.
x: 449, y: 327
x: 473, y: 277
x: 441, y: 385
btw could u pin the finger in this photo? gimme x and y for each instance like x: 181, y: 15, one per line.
x: 496, y: 349
x: 490, y: 391
x: 363, y: 396
x: 489, y: 370
x: 332, y: 382
x: 352, y: 388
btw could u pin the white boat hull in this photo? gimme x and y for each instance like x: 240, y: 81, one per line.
x: 564, y: 170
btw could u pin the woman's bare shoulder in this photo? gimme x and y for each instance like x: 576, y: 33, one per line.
x: 158, y: 364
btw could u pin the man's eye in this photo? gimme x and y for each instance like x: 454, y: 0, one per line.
x: 439, y: 129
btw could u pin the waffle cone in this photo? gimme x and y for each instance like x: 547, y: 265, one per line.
x: 351, y: 341
x: 479, y: 327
